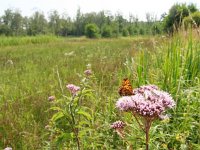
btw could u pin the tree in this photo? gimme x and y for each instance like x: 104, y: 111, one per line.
x: 125, y: 32
x: 38, y: 24
x: 67, y: 26
x: 55, y: 23
x: 174, y: 19
x: 17, y: 23
x: 6, y: 22
x: 120, y: 21
x: 79, y: 23
x: 91, y: 30
x: 193, y: 20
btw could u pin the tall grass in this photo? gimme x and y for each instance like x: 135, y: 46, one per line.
x: 175, y: 67
x: 14, y: 41
x: 31, y: 76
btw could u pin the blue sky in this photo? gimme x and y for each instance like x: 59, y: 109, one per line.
x: 135, y: 7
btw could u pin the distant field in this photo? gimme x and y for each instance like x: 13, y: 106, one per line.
x: 32, y: 69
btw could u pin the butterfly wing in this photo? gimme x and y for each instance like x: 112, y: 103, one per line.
x: 125, y: 89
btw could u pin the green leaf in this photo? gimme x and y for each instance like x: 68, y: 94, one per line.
x: 85, y: 114
x: 57, y: 116
x: 56, y: 108
x: 63, y: 138
x: 81, y: 123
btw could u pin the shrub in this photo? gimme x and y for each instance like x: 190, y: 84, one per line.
x: 92, y: 30
x: 135, y: 31
x: 106, y: 32
x: 125, y: 32
x: 130, y: 30
x: 141, y: 31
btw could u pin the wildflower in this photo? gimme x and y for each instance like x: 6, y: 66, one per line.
x: 118, y: 125
x: 8, y: 148
x: 9, y: 62
x: 88, y: 72
x: 147, y: 101
x: 88, y: 66
x: 47, y: 127
x: 164, y: 117
x: 73, y: 88
x: 125, y: 103
x: 51, y: 98
x: 69, y: 54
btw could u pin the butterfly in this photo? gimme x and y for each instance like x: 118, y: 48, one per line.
x: 125, y: 89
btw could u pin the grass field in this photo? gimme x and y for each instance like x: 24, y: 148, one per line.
x: 32, y: 69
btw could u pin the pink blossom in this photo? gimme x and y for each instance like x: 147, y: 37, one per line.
x: 118, y: 125
x: 51, y: 98
x: 163, y: 117
x: 8, y: 148
x: 73, y: 88
x: 147, y: 101
x: 88, y: 72
x: 125, y: 103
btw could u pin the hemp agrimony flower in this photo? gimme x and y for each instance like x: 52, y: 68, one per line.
x: 88, y: 72
x: 73, y: 88
x: 147, y: 103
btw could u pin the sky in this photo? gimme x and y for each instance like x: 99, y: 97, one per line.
x: 138, y: 8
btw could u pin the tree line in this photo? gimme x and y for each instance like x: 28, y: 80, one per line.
x: 96, y: 24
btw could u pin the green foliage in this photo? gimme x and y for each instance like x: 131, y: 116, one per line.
x: 192, y: 20
x: 125, y: 32
x: 141, y: 31
x: 156, y: 29
x: 173, y: 21
x: 91, y: 31
x: 72, y: 118
x: 38, y: 24
x: 31, y: 72
x: 106, y: 32
x: 14, y: 41
x: 4, y: 30
x: 12, y: 23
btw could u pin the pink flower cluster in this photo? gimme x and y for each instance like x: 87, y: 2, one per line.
x: 51, y: 98
x: 125, y: 103
x: 118, y: 125
x: 73, y: 88
x: 147, y: 101
x: 88, y: 72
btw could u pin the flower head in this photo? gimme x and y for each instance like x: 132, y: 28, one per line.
x: 164, y: 117
x: 51, y: 98
x: 125, y: 103
x: 118, y: 125
x: 147, y: 101
x: 88, y: 72
x: 9, y: 62
x: 8, y: 148
x: 73, y: 88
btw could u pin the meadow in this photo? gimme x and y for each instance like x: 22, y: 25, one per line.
x: 34, y: 68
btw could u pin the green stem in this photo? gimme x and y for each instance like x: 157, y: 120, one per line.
x: 147, y: 128
x: 75, y: 130
x: 138, y: 122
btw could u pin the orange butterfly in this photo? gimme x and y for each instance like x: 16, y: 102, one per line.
x: 125, y: 89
